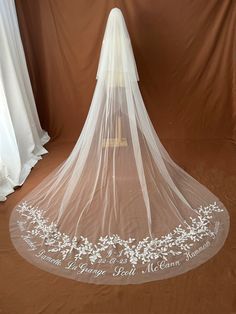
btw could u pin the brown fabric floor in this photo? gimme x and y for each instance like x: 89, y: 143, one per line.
x: 208, y: 289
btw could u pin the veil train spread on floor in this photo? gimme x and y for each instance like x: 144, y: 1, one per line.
x: 119, y: 210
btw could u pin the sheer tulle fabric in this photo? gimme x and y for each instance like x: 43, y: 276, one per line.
x: 119, y: 210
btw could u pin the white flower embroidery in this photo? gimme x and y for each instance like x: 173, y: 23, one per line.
x: 180, y: 240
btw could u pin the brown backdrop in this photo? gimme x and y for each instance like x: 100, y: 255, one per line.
x: 185, y: 52
x: 186, y: 57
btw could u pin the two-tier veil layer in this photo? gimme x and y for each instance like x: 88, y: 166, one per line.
x: 119, y: 210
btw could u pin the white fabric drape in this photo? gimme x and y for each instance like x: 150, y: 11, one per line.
x: 21, y: 136
x: 118, y: 210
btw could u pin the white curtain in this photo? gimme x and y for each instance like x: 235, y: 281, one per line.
x: 21, y: 136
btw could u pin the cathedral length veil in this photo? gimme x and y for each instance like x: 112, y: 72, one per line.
x: 119, y: 210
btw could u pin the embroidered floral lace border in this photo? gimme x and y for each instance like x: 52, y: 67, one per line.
x: 180, y: 240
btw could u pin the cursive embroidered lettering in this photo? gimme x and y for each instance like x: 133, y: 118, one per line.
x: 189, y: 255
x: 47, y: 258
x: 83, y: 268
x: 30, y: 243
x: 121, y: 271
x: 151, y: 267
